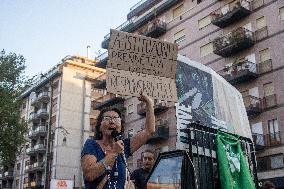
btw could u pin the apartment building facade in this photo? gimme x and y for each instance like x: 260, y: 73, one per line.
x: 242, y: 40
x: 58, y: 110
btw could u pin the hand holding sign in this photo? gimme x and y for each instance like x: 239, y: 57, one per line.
x: 145, y: 98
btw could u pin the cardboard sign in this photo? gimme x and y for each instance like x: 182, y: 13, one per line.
x: 141, y: 54
x: 132, y: 83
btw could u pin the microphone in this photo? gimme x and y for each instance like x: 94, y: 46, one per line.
x: 116, y: 135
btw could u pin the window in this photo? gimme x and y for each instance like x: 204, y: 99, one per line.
x: 206, y: 49
x: 274, y: 134
x: 277, y: 161
x: 203, y: 22
x: 130, y: 109
x: 281, y: 13
x: 178, y: 11
x: 179, y: 36
x: 268, y: 89
x: 260, y: 23
x: 264, y: 55
x: 270, y: 162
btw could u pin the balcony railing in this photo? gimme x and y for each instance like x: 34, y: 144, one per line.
x: 239, y: 72
x: 43, y: 97
x: 34, y: 117
x: 42, y: 113
x: 231, y: 13
x: 162, y: 133
x: 123, y: 27
x: 110, y: 100
x: 159, y: 106
x: 36, y: 167
x: 154, y: 29
x: 141, y: 7
x: 269, y: 101
x: 39, y: 131
x: 263, y: 141
x: 261, y: 33
x: 233, y: 42
x: 253, y: 105
x: 265, y: 66
x: 40, y: 148
x: 8, y: 175
x: 100, y: 82
x: 30, y: 151
x: 103, y: 58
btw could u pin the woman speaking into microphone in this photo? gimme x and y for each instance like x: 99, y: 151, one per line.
x: 101, y: 158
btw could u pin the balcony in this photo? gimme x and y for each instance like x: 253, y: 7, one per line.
x: 262, y: 141
x: 103, y: 58
x: 265, y: 66
x: 154, y: 29
x: 261, y: 34
x: 33, y: 117
x: 39, y: 131
x: 239, y: 72
x: 42, y: 113
x: 162, y: 132
x: 110, y: 100
x: 231, y: 13
x: 8, y: 175
x: 43, y: 97
x: 141, y: 7
x: 253, y: 105
x: 39, y: 148
x: 100, y: 82
x: 30, y: 151
x: 269, y: 101
x: 233, y: 42
x: 126, y: 26
x: 38, y: 166
x: 159, y: 107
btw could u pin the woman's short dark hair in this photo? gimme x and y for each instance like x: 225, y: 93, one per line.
x: 98, y: 133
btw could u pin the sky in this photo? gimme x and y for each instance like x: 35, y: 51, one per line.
x: 44, y: 32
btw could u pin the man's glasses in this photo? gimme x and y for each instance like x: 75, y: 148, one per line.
x: 114, y: 119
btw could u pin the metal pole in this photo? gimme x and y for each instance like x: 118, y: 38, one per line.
x: 48, y: 149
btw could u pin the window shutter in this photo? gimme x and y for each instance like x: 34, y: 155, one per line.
x: 178, y: 11
x: 260, y: 22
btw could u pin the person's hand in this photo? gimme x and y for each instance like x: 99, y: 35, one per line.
x: 145, y: 98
